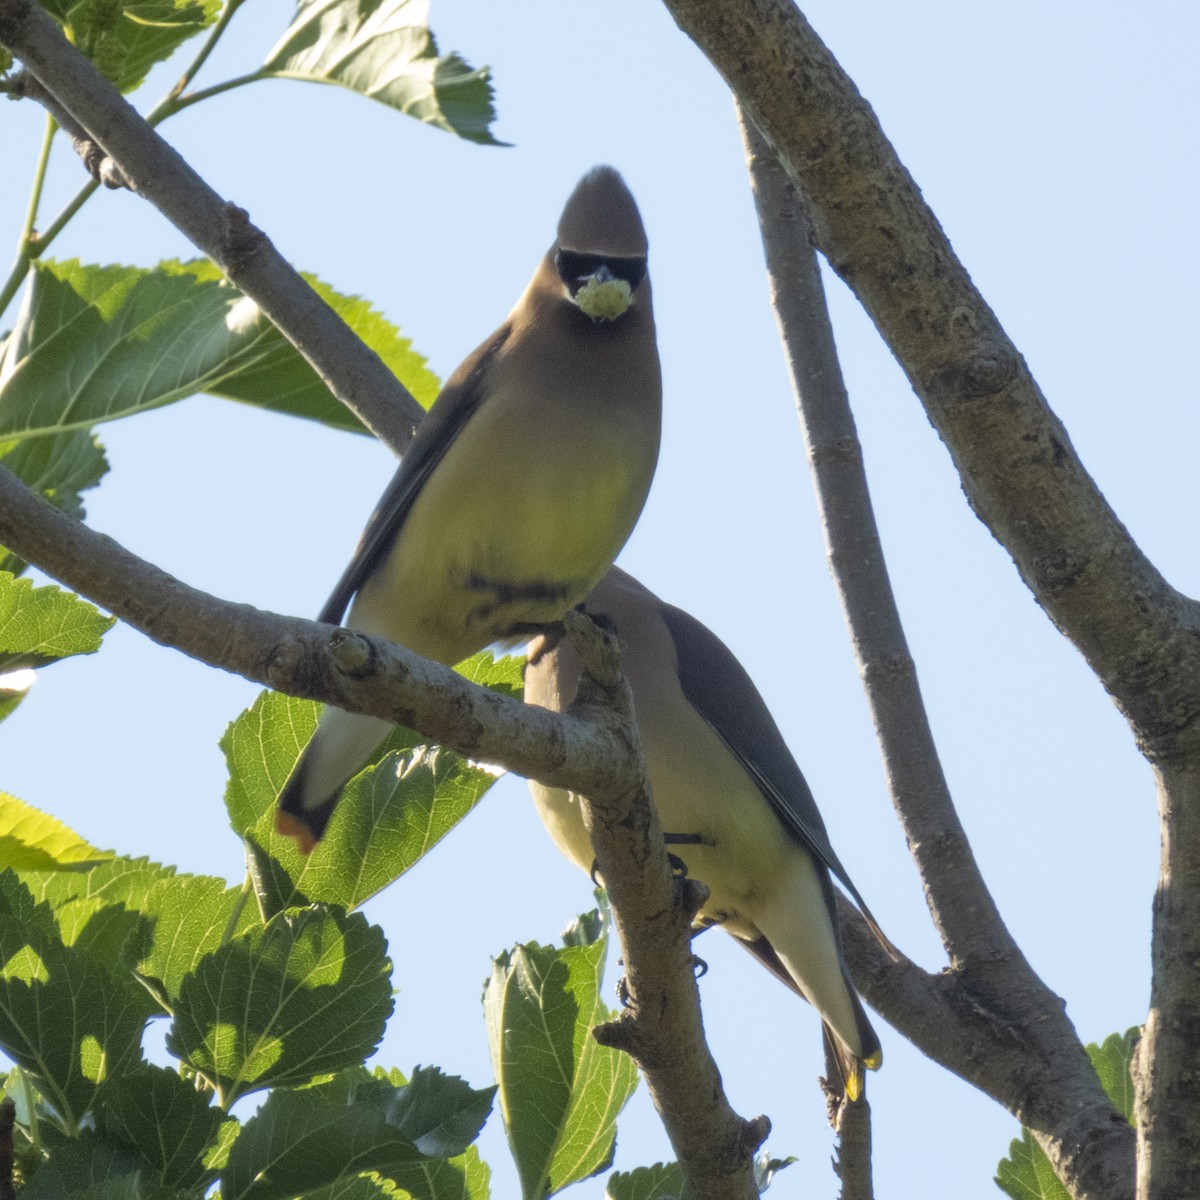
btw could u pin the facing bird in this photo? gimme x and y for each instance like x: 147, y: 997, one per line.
x: 731, y: 800
x: 521, y: 484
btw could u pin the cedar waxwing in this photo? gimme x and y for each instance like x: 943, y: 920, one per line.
x: 520, y: 486
x: 731, y: 800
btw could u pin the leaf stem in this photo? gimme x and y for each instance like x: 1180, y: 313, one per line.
x: 29, y: 242
x: 170, y: 103
x: 238, y: 909
x: 181, y: 102
x: 27, y: 1095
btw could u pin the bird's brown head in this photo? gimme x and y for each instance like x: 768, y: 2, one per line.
x: 600, y: 254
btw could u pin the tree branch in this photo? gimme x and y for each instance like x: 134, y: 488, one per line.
x: 1023, y: 1052
x: 1018, y: 468
x: 150, y: 167
x: 594, y: 753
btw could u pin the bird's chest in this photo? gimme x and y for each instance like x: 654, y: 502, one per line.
x: 518, y: 520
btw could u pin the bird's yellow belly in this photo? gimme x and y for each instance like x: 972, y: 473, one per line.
x: 475, y: 565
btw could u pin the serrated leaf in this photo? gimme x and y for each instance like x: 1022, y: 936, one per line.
x: 69, y: 1022
x: 298, y: 1142
x: 31, y: 840
x: 442, y: 1114
x: 18, y: 900
x: 86, y: 1168
x: 1113, y: 1060
x: 662, y: 1181
x: 119, y: 880
x: 383, y: 49
x: 125, y: 38
x: 390, y: 815
x: 96, y: 343
x: 40, y: 625
x: 191, y: 914
x: 560, y: 1090
x: 172, y: 1126
x: 308, y: 993
x: 358, y: 1187
x: 1026, y: 1173
x: 59, y: 468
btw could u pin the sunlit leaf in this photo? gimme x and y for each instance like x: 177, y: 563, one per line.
x: 383, y: 49
x: 39, y: 625
x: 306, y: 994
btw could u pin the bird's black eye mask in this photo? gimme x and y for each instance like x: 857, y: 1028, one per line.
x: 573, y: 268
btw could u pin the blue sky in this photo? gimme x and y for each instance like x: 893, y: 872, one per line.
x: 1056, y: 144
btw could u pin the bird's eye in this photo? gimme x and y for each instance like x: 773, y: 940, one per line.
x: 574, y: 267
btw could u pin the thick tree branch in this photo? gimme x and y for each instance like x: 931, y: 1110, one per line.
x: 1025, y: 1052
x: 1018, y: 468
x: 150, y: 167
x: 595, y: 754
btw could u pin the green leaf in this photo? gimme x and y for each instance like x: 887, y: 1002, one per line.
x: 120, y: 880
x: 1113, y: 1060
x: 191, y: 915
x: 96, y: 343
x: 284, y: 382
x: 298, y: 1142
x: 14, y: 688
x: 383, y: 49
x: 39, y: 625
x: 125, y: 38
x: 442, y: 1114
x: 663, y: 1181
x: 58, y: 467
x: 308, y: 993
x: 560, y: 1090
x: 170, y: 1124
x: 86, y: 1168
x: 1026, y: 1173
x: 464, y: 1177
x: 65, y: 1019
x: 31, y: 840
x: 505, y: 675
x: 390, y: 815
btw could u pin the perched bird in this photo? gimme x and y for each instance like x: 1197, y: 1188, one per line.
x: 731, y: 800
x: 521, y: 485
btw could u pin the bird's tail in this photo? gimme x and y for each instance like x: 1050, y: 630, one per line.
x: 340, y: 747
x: 849, y: 1064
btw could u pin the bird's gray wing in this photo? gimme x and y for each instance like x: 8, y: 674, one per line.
x: 456, y: 403
x: 721, y: 691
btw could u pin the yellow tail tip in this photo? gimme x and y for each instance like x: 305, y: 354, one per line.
x: 874, y: 1062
